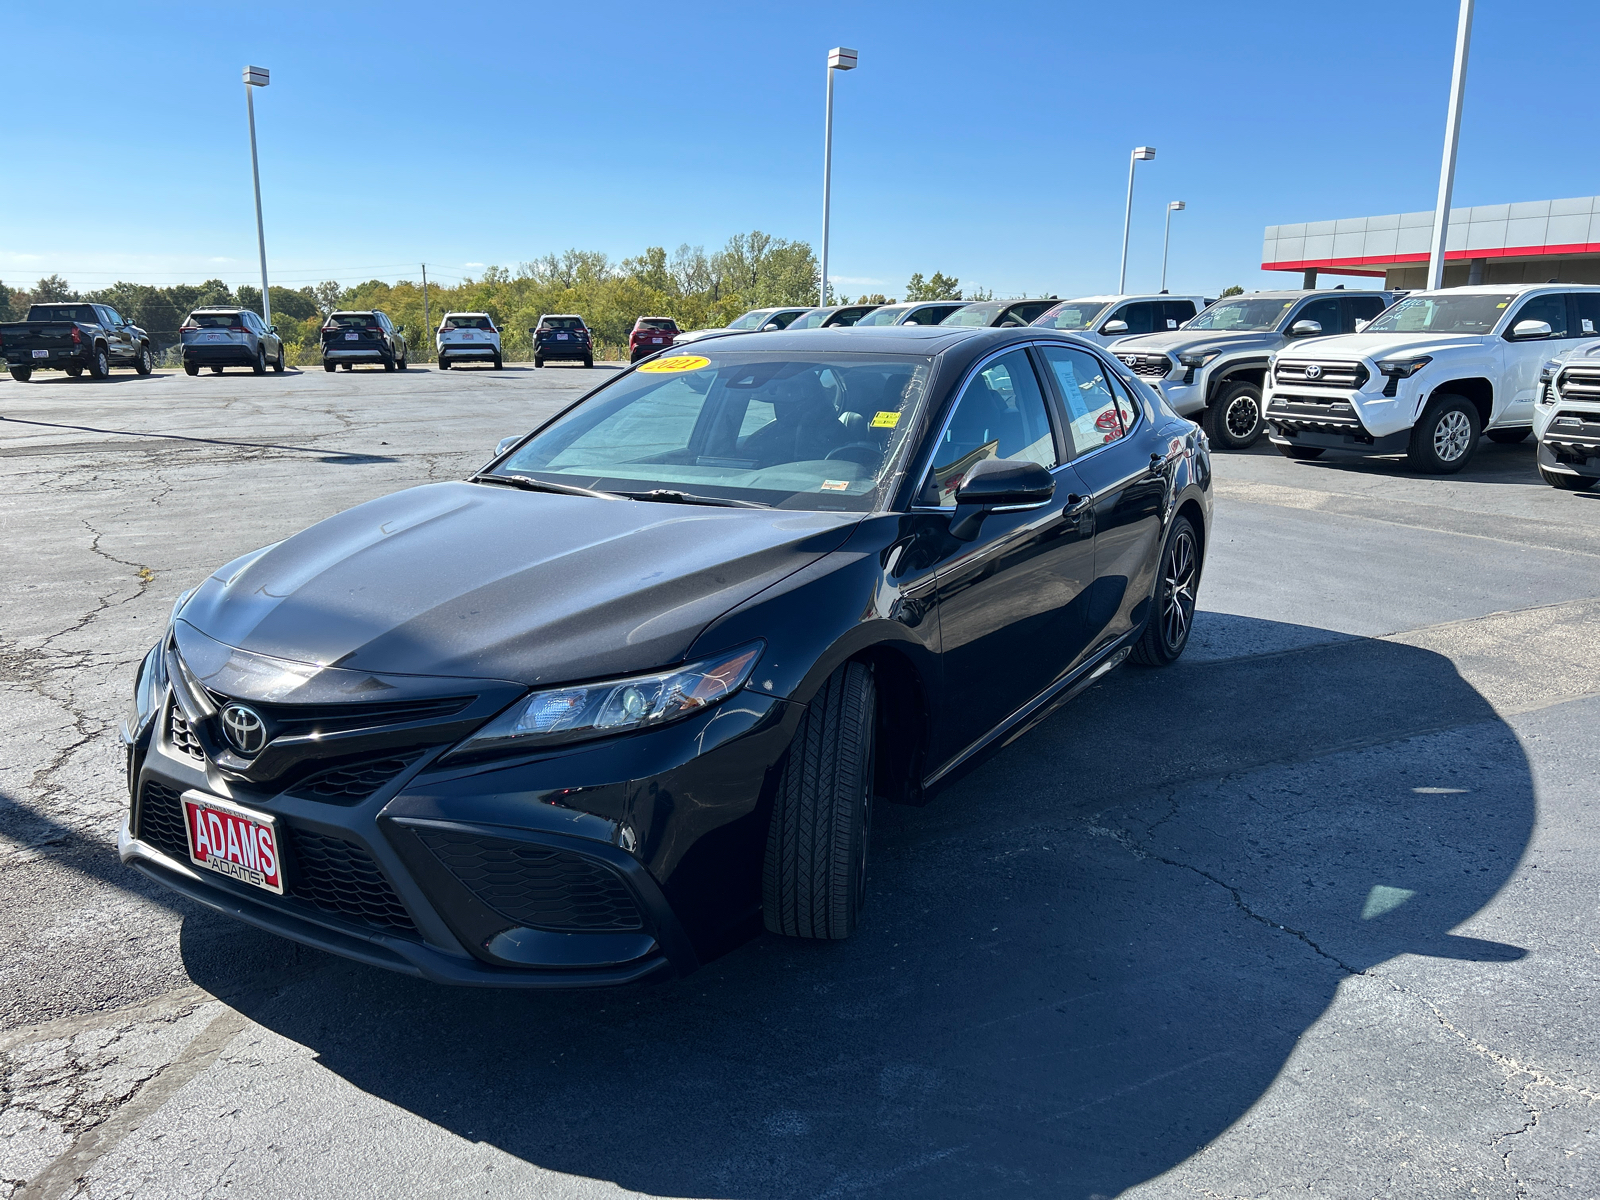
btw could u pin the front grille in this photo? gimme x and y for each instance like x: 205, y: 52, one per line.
x: 329, y: 873
x: 1151, y: 366
x: 183, y: 738
x: 1580, y: 383
x: 1314, y: 412
x: 535, y: 886
x: 1348, y: 375
x: 1582, y: 438
x: 298, y: 720
x: 351, y: 784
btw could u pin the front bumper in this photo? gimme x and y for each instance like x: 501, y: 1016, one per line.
x: 1185, y: 399
x: 1566, y: 447
x: 624, y: 860
x: 577, y: 350
x: 1365, y: 422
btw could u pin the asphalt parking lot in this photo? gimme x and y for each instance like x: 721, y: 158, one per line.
x: 1312, y: 912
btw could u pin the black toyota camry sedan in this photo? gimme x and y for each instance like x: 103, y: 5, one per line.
x: 600, y: 711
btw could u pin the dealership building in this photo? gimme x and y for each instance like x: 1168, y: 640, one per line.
x: 1534, y: 242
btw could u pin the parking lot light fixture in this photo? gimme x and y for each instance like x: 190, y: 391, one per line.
x: 839, y: 59
x: 1166, y: 239
x: 255, y: 77
x: 1140, y: 154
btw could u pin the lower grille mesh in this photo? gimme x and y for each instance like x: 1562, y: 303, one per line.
x: 535, y: 886
x: 351, y: 784
x: 330, y: 873
x: 182, y: 737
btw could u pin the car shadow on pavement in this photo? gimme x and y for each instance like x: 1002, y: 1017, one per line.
x: 1079, y: 966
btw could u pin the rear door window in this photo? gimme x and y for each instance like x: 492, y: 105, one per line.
x: 1361, y: 308
x: 1587, y: 307
x: 1094, y: 417
x: 1175, y: 312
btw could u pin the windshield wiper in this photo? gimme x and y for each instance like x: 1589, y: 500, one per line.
x: 666, y: 496
x: 540, y: 485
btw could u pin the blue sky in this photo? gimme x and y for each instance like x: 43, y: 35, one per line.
x: 989, y: 141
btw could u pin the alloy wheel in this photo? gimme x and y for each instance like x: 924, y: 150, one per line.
x: 1178, y: 589
x: 1452, y: 435
x: 1243, y: 415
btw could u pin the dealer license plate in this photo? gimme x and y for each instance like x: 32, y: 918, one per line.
x: 233, y: 840
x: 215, y: 337
x: 657, y: 341
x: 352, y: 337
x: 41, y: 354
x: 561, y: 337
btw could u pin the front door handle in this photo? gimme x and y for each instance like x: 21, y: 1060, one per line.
x: 1076, y: 506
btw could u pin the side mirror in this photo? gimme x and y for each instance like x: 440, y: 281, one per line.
x: 1360, y: 325
x: 1530, y: 331
x: 998, y: 483
x: 770, y: 326
x: 1305, y: 329
x: 272, y: 329
x: 506, y: 443
x: 1114, y: 327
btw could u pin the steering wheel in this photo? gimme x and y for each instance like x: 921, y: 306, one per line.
x: 868, y: 454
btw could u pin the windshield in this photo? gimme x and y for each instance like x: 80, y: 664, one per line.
x: 1073, y: 314
x: 1442, y: 314
x: 884, y: 316
x: 1245, y: 316
x: 973, y: 314
x: 788, y: 431
x: 562, y: 323
x: 754, y: 319
x: 84, y: 314
x: 468, y: 322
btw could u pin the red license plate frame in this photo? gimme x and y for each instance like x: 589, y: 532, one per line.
x: 250, y: 848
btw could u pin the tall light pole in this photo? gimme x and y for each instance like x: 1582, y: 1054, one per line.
x: 1140, y: 154
x: 255, y: 77
x: 839, y: 59
x: 1452, y: 134
x: 1166, y: 240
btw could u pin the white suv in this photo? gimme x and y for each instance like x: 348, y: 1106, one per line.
x: 1566, y: 415
x: 468, y: 337
x: 1429, y: 375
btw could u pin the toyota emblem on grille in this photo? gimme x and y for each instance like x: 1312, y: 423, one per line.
x: 245, y: 730
x: 1313, y: 371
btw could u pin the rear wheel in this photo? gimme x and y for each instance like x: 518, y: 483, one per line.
x: 1233, y: 419
x: 588, y: 363
x: 1446, y: 437
x: 1166, y: 632
x: 99, y: 364
x: 1301, y: 452
x: 388, y: 364
x: 1556, y: 479
x: 814, y: 878
x: 537, y: 361
x: 260, y: 365
x: 1510, y: 437
x: 191, y: 369
x: 329, y: 366
x: 444, y: 363
x: 499, y: 363
x: 22, y: 374
x: 146, y: 362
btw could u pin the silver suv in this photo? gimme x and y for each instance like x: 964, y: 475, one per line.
x: 229, y: 337
x: 1212, y: 370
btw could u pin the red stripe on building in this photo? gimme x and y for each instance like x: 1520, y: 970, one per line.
x: 1396, y: 260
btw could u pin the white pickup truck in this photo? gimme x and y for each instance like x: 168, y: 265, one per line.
x: 1428, y: 376
x: 1566, y: 419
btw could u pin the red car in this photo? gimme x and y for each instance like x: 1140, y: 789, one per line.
x: 649, y: 335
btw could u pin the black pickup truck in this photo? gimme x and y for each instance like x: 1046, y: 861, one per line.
x: 74, y: 338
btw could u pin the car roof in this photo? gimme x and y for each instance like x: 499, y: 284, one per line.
x: 889, y: 339
x: 1500, y: 289
x: 544, y: 316
x: 216, y: 308
x: 1301, y: 293
x: 466, y: 314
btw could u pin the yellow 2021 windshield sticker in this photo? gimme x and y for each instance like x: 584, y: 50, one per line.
x: 885, y: 420
x: 683, y: 362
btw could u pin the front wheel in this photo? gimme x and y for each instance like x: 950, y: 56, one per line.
x: 277, y: 367
x: 1446, y: 437
x: 1305, y: 453
x: 260, y: 365
x: 1233, y: 420
x: 146, y: 362
x: 99, y: 364
x: 1556, y: 479
x: 22, y: 374
x: 1166, y: 631
x: 814, y: 878
x: 402, y: 364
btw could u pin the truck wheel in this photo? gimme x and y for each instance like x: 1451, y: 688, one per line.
x: 814, y: 877
x: 260, y: 365
x: 73, y: 370
x: 1444, y: 440
x: 22, y: 374
x: 1233, y: 419
x: 146, y: 362
x: 1166, y: 631
x: 1302, y: 452
x: 191, y: 369
x: 329, y: 366
x: 1556, y: 479
x: 99, y: 364
x: 1510, y: 437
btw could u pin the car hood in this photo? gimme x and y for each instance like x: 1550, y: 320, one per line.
x: 483, y: 581
x: 1384, y: 345
x: 1178, y: 340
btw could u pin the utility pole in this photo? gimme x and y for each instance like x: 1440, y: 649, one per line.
x: 255, y: 77
x: 427, y: 320
x: 1166, y: 239
x: 1452, y: 135
x: 1140, y: 154
x: 839, y: 59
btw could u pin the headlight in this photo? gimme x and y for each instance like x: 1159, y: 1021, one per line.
x: 149, y: 686
x: 1547, y: 375
x: 1403, y: 368
x: 1199, y: 358
x: 595, y: 710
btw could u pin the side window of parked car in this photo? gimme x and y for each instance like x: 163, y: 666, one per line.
x: 1175, y: 312
x: 1093, y: 418
x: 1001, y: 414
x: 1550, y: 309
x: 1360, y: 308
x: 1588, y: 305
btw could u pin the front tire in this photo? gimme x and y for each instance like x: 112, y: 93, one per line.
x: 278, y: 366
x: 814, y: 878
x: 1558, y: 479
x: 1446, y: 437
x: 1304, y: 453
x: 1509, y: 437
x: 1167, y: 629
x: 1233, y: 420
x: 260, y: 365
x: 22, y: 374
x: 99, y: 364
x: 146, y: 362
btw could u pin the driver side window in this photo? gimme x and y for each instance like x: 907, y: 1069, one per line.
x: 1001, y: 414
x: 1552, y: 310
